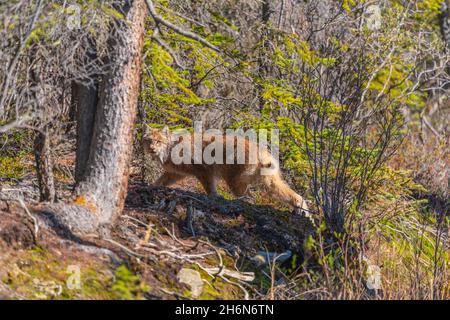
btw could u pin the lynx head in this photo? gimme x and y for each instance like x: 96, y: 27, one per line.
x: 157, y: 142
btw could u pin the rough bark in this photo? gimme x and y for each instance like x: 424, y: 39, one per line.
x: 445, y: 22
x: 41, y: 143
x: 44, y: 166
x: 85, y: 99
x: 105, y: 181
x: 262, y: 65
x: 265, y: 11
x: 445, y: 29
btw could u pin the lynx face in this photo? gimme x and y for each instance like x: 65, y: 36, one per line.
x: 157, y: 142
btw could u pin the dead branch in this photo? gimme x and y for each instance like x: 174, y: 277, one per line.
x: 33, y: 218
x: 177, y: 29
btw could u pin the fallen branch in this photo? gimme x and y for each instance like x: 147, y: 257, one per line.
x: 18, y: 123
x: 174, y: 238
x: 129, y: 251
x: 246, y: 295
x: 221, y: 266
x: 33, y: 218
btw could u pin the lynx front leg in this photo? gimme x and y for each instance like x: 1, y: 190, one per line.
x: 209, y: 184
x: 167, y: 179
x: 279, y: 188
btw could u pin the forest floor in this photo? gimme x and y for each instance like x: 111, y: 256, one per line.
x: 169, y: 243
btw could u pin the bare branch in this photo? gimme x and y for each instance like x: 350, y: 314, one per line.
x: 177, y: 29
x: 18, y: 123
x: 166, y: 47
x: 15, y: 60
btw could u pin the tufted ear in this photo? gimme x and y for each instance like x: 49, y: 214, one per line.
x: 147, y: 130
x: 166, y: 131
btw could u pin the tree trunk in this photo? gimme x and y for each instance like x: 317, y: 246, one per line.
x: 84, y: 103
x: 44, y: 166
x: 85, y: 99
x: 41, y: 143
x: 103, y: 185
x: 445, y: 22
x: 262, y: 58
x: 445, y: 29
x: 265, y: 11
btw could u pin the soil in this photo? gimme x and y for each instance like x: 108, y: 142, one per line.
x: 161, y: 231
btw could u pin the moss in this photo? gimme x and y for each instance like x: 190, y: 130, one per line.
x: 225, y: 193
x: 127, y: 285
x: 11, y: 168
x: 217, y: 288
x: 96, y: 285
x: 40, y: 274
x: 226, y: 259
x: 214, y: 288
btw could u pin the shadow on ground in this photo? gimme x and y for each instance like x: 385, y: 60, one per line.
x: 232, y: 224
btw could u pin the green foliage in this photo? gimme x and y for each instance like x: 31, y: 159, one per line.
x: 15, y: 147
x: 11, y: 168
x: 172, y: 88
x: 220, y: 18
x: 347, y: 4
x: 127, y: 285
x: 111, y: 12
x: 429, y: 13
x: 41, y: 274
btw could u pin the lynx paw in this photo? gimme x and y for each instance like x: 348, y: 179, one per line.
x: 302, y: 208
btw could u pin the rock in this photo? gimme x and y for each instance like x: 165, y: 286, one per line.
x: 372, y: 278
x: 193, y: 279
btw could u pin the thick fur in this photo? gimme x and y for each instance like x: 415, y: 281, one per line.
x: 159, y: 143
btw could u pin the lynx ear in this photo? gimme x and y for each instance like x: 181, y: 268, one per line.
x: 166, y: 131
x: 147, y: 130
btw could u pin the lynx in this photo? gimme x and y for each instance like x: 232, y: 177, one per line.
x: 160, y: 143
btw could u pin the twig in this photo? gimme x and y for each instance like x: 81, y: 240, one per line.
x: 246, y: 295
x: 183, y: 16
x: 148, y: 232
x: 15, y: 60
x: 33, y: 218
x: 221, y: 266
x: 177, y: 256
x: 173, y: 293
x: 174, y: 237
x: 134, y: 219
x: 129, y: 251
x: 244, y: 276
x: 177, y: 29
x: 189, y: 218
x: 168, y: 49
x: 18, y: 123
x: 432, y: 129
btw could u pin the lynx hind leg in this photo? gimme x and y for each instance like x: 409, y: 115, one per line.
x: 238, y: 186
x: 167, y: 179
x: 209, y: 183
